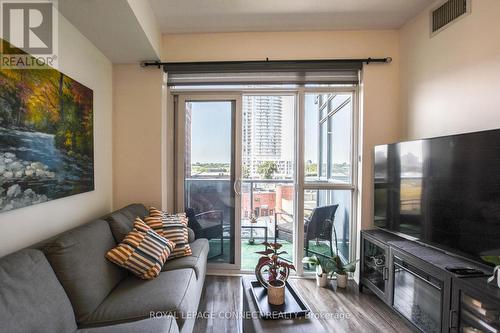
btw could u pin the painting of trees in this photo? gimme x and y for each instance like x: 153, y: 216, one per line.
x: 46, y: 136
x: 46, y: 100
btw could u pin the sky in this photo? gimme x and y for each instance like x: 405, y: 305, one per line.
x: 211, y: 131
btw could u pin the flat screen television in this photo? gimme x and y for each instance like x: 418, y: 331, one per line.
x: 442, y: 191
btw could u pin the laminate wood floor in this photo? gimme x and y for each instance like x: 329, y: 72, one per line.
x: 343, y: 310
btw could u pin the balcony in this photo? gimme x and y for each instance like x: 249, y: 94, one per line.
x: 263, y: 203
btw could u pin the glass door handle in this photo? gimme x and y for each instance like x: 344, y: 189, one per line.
x: 237, y: 186
x: 452, y: 319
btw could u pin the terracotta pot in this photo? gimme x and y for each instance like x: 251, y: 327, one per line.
x: 322, y: 280
x: 341, y: 280
x: 276, y: 293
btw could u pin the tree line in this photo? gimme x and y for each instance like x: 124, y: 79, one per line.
x: 46, y: 100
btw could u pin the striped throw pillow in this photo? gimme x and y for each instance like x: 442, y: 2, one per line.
x: 142, y: 251
x: 173, y: 227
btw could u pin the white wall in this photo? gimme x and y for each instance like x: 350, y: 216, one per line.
x: 79, y: 59
x: 450, y: 83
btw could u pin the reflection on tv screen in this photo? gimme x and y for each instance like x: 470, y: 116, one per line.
x: 444, y: 191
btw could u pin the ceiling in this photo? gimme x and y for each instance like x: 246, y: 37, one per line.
x: 112, y: 26
x: 191, y: 16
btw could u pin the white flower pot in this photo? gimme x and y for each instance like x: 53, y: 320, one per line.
x: 341, y: 280
x: 322, y: 280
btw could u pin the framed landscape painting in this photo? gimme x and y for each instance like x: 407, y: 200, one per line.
x: 46, y: 137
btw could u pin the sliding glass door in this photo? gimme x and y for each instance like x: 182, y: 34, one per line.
x: 268, y: 175
x: 207, y: 173
x: 269, y: 165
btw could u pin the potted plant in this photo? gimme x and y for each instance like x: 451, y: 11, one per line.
x: 272, y: 272
x: 341, y: 270
x: 323, y: 269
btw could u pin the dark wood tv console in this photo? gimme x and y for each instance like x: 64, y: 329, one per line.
x: 415, y: 281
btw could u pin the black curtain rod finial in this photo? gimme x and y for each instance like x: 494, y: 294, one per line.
x: 148, y: 63
x: 368, y: 61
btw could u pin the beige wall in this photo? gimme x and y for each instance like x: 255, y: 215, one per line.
x: 137, y: 135
x: 380, y: 82
x: 450, y: 82
x: 79, y: 59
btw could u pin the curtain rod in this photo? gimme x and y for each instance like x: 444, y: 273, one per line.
x: 367, y: 61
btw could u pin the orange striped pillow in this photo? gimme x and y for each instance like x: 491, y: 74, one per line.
x: 173, y: 227
x: 142, y: 251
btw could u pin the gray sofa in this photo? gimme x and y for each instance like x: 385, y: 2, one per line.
x: 65, y: 284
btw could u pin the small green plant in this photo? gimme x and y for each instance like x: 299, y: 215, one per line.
x: 340, y: 268
x: 323, y: 265
x: 330, y: 266
x: 333, y: 265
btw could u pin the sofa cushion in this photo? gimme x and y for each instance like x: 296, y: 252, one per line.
x: 174, y: 292
x: 162, y: 324
x: 121, y: 221
x: 172, y: 227
x: 142, y: 251
x: 77, y: 258
x: 197, y: 261
x: 31, y: 297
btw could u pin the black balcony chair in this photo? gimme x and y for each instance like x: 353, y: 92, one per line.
x: 207, y: 225
x: 318, y: 227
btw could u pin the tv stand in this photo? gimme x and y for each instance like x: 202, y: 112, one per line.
x: 465, y: 271
x: 429, y: 288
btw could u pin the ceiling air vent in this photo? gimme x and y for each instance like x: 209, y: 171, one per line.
x: 447, y: 13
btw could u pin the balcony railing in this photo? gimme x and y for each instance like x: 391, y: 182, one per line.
x: 260, y: 199
x: 264, y: 202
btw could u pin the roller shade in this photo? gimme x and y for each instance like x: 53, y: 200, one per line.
x: 263, y: 72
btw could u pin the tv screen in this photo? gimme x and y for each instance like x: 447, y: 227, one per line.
x: 442, y: 191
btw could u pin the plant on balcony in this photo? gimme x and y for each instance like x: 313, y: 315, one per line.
x: 272, y: 271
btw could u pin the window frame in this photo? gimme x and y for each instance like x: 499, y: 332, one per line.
x: 300, y: 185
x: 303, y: 185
